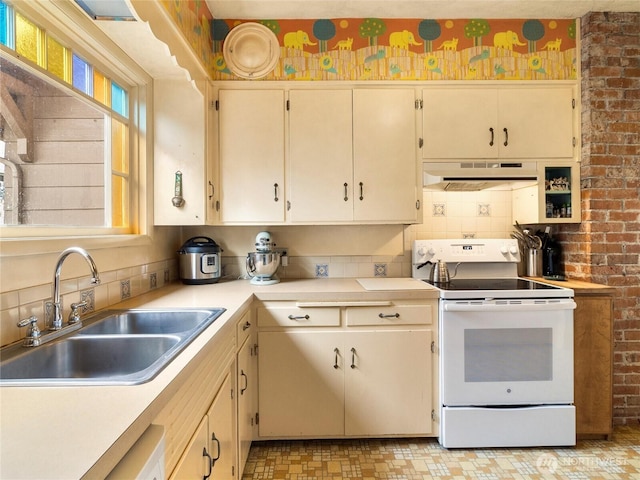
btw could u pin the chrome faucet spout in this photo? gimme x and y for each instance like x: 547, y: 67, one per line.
x: 57, y: 307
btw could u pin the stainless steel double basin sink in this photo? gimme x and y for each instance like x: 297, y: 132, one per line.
x: 115, y: 347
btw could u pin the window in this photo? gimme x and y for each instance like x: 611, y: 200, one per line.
x: 64, y: 134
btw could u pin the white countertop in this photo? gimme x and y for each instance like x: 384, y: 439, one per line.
x: 75, y: 432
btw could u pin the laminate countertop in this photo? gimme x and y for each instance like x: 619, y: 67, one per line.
x: 578, y: 285
x: 82, y: 432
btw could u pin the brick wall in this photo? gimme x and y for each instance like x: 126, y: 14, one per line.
x: 605, y: 247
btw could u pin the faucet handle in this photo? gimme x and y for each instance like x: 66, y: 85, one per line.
x: 32, y: 338
x: 74, y: 316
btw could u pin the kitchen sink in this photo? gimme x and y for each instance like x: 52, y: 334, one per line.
x: 117, y: 347
x: 135, y: 322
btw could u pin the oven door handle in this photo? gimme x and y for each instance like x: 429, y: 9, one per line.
x: 510, y: 307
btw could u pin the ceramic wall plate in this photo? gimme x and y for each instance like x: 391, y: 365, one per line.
x: 251, y: 50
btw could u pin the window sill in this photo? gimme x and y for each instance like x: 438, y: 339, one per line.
x: 18, y: 246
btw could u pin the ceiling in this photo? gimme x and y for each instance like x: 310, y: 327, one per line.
x: 312, y: 9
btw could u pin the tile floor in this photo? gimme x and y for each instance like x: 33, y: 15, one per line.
x: 418, y: 459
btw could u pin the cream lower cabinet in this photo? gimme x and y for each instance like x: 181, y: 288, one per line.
x: 212, y: 449
x: 247, y: 390
x: 335, y: 372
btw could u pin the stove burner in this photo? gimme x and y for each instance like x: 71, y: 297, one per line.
x: 499, y: 284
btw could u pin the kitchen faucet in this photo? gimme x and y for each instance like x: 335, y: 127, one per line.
x: 57, y: 307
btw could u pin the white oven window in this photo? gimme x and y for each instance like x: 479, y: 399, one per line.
x: 508, y: 354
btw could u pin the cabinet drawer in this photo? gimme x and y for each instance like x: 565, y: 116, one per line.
x: 391, y: 315
x: 292, y: 316
x: 244, y: 328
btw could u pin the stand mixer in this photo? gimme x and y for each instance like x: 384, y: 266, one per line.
x: 263, y: 263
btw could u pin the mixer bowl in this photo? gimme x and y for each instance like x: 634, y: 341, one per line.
x: 263, y: 265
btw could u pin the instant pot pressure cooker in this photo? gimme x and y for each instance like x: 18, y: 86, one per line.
x: 200, y: 261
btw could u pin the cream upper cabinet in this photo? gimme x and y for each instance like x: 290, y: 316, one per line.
x: 184, y: 174
x: 251, y: 151
x: 352, y: 156
x: 321, y: 156
x: 384, y: 156
x: 554, y: 199
x: 499, y: 122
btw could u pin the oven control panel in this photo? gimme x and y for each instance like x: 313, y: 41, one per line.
x: 491, y: 250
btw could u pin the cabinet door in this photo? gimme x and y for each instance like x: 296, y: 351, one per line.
x: 320, y: 149
x: 554, y: 199
x: 252, y: 156
x: 212, y: 200
x: 457, y: 123
x: 384, y: 145
x: 194, y: 464
x: 301, y: 384
x: 179, y: 146
x: 388, y: 382
x: 247, y: 399
x: 539, y: 122
x: 221, y: 443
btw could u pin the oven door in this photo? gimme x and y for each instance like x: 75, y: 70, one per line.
x: 507, y: 352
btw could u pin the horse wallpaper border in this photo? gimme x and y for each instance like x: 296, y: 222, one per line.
x: 360, y: 49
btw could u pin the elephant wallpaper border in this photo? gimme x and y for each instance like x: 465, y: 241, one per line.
x: 394, y: 49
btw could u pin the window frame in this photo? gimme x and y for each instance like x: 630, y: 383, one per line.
x: 67, y: 23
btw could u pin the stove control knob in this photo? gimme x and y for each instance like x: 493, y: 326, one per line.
x: 423, y: 252
x: 504, y: 250
x: 513, y: 250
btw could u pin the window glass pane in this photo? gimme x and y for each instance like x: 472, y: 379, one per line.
x: 27, y: 38
x: 6, y: 25
x: 119, y: 147
x: 57, y: 63
x: 82, y: 76
x: 101, y: 90
x: 119, y: 201
x: 63, y: 161
x: 119, y: 100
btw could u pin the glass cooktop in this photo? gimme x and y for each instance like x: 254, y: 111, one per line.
x: 485, y: 284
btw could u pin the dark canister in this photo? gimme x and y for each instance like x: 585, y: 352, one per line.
x: 200, y: 261
x: 552, y: 267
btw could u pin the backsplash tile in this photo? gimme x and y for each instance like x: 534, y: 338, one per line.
x: 322, y: 270
x: 114, y: 287
x: 379, y: 269
x: 125, y: 289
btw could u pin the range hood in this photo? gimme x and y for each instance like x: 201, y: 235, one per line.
x: 471, y: 176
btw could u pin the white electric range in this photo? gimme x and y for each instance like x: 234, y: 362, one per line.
x: 506, y: 348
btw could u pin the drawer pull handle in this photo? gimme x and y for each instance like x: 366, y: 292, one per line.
x: 491, y: 142
x: 335, y: 362
x: 245, y: 326
x: 506, y: 136
x: 353, y: 357
x: 391, y: 315
x: 299, y: 317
